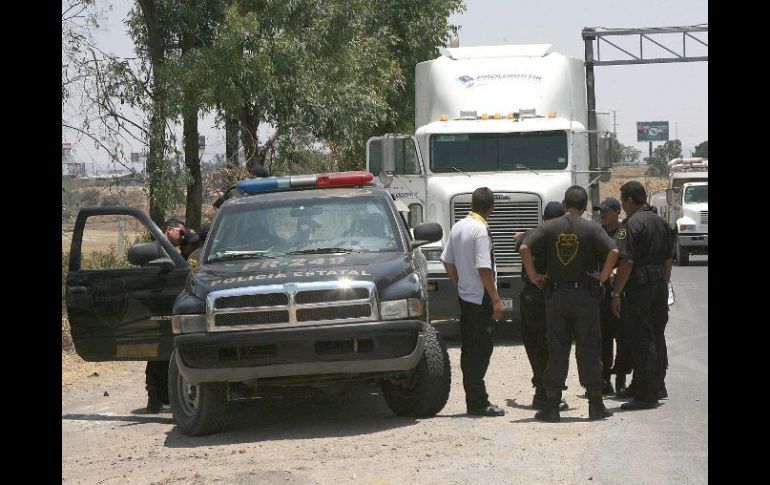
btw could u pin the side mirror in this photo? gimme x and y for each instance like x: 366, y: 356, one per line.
x: 146, y: 254
x: 388, y: 159
x: 669, y: 196
x: 604, y: 155
x: 427, y: 232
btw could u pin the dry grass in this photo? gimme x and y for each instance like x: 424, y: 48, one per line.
x: 621, y: 175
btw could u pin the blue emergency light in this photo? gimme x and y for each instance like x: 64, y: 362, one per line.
x: 270, y: 184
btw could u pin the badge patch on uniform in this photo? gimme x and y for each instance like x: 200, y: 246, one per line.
x: 193, y: 263
x: 567, y: 245
x: 621, y: 234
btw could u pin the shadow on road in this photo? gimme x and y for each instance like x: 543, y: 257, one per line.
x: 358, y: 411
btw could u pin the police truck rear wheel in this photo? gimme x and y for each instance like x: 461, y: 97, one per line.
x: 198, y: 409
x: 425, y: 390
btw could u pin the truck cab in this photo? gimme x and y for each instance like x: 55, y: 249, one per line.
x: 310, y: 280
x: 686, y: 207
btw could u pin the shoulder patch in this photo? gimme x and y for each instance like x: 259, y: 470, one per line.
x: 193, y: 263
x: 621, y: 234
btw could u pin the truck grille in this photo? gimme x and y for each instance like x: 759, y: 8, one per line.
x: 292, y: 304
x: 704, y: 217
x: 521, y: 212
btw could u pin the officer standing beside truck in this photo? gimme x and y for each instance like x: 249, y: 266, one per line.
x: 643, y: 275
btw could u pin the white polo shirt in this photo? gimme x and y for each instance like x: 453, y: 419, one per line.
x: 469, y: 247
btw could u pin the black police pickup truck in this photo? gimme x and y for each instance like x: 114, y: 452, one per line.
x: 303, y: 281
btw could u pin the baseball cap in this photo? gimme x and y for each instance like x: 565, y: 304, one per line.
x: 609, y: 203
x: 553, y: 210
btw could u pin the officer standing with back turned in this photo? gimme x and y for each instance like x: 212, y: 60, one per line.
x: 571, y: 247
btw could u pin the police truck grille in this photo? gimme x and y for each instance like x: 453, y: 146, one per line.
x: 704, y: 217
x: 293, y: 304
x: 520, y: 213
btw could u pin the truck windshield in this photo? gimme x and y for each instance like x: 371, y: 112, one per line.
x: 696, y: 194
x: 356, y: 224
x: 491, y: 152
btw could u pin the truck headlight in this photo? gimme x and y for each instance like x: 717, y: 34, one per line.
x: 686, y: 227
x: 393, y: 310
x: 188, y: 323
x: 433, y: 254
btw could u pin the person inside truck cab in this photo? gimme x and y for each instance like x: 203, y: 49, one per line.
x: 174, y: 230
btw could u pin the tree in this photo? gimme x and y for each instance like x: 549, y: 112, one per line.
x: 658, y: 163
x: 702, y: 150
x: 624, y: 154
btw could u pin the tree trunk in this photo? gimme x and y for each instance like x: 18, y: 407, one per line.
x: 194, y: 199
x: 249, y: 122
x: 231, y: 140
x: 156, y: 159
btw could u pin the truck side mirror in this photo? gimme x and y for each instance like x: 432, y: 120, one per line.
x: 669, y: 196
x: 604, y: 155
x: 388, y: 159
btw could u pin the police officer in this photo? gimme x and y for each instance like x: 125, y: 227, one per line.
x: 571, y: 247
x: 643, y: 275
x: 156, y: 372
x: 612, y: 327
x: 532, y: 307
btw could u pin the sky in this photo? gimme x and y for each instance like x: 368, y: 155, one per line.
x: 673, y: 92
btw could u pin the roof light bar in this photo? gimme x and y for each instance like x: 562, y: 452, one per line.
x: 337, y: 179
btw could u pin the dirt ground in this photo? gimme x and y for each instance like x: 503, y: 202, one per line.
x: 354, y: 438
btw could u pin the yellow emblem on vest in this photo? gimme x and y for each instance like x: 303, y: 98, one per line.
x: 567, y: 245
x: 621, y: 234
x: 193, y: 263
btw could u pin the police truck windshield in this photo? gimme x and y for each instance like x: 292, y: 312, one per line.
x: 322, y: 226
x: 493, y: 152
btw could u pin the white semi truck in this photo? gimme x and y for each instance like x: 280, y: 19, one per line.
x: 512, y: 118
x: 685, y: 206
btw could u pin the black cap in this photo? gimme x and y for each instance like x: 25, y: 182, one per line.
x: 553, y: 210
x: 259, y: 171
x: 609, y: 203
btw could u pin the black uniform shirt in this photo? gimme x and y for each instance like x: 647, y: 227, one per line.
x: 570, y: 245
x: 644, y: 238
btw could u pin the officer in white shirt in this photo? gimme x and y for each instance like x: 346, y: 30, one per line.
x: 470, y: 263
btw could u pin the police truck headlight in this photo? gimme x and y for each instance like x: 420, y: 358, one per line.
x: 393, y: 310
x: 433, y: 254
x: 188, y: 323
x: 686, y: 227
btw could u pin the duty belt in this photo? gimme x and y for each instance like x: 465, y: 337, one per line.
x: 570, y: 285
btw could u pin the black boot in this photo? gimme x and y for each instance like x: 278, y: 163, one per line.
x: 539, y: 399
x: 607, y: 389
x: 596, y: 409
x: 550, y: 412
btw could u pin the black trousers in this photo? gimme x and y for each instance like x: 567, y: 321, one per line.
x: 646, y: 317
x: 156, y: 381
x: 568, y: 313
x: 533, y: 332
x: 477, y: 333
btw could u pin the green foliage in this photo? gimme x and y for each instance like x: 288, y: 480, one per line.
x: 624, y: 154
x: 702, y: 150
x: 658, y: 164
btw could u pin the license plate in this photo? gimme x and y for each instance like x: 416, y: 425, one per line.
x: 507, y: 304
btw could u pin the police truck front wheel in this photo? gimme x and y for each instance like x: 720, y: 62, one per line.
x: 424, y: 390
x: 198, y: 409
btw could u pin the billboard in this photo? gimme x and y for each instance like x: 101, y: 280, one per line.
x: 652, y: 131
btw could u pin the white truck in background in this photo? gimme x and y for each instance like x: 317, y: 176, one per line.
x: 685, y: 206
x: 512, y: 118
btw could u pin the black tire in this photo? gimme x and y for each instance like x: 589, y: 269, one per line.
x: 198, y: 409
x: 426, y: 389
x: 682, y: 254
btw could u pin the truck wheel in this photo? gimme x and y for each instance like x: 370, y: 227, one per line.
x: 682, y: 254
x: 425, y: 390
x: 197, y: 409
